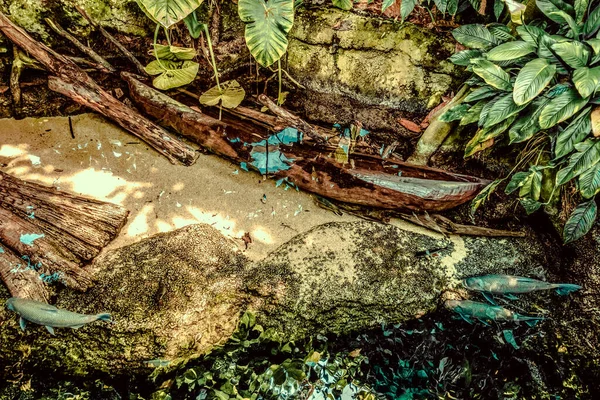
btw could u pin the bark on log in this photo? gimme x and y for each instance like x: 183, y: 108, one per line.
x: 76, y: 84
x: 43, y: 254
x: 91, y: 221
x: 21, y: 281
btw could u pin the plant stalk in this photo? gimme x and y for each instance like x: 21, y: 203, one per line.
x: 212, y: 55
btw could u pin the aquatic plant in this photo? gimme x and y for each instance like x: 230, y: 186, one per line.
x: 539, y: 84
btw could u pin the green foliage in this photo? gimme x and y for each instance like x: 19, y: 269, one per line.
x: 168, y: 12
x: 172, y: 74
x: 230, y: 94
x: 267, y: 26
x: 538, y: 84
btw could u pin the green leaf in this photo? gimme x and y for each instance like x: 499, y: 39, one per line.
x: 529, y: 183
x: 348, y: 4
x: 589, y: 182
x: 530, y: 205
x: 230, y: 95
x: 574, y: 133
x: 504, y: 108
x: 532, y: 80
x: 574, y: 54
x: 498, y: 8
x: 194, y: 27
x: 483, y: 138
x: 550, y: 10
x: 442, y: 5
x: 464, y: 57
x: 455, y: 113
x: 516, y: 11
x: 483, y: 196
x: 527, y: 126
x: 172, y: 74
x: 510, y: 51
x: 476, y: 4
x: 173, y: 53
x: 530, y: 33
x: 586, y: 80
x: 516, y: 182
x: 483, y: 92
x: 510, y: 338
x: 595, y: 45
x: 406, y: 7
x: 472, y: 115
x: 500, y: 32
x: 587, y: 155
x: 581, y: 221
x: 561, y: 108
x: 384, y: 6
x: 570, y: 21
x: 168, y: 12
x: 486, y: 109
x: 592, y: 23
x: 452, y: 7
x: 475, y: 36
x: 493, y: 75
x: 267, y: 26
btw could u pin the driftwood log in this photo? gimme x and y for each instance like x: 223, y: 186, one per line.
x: 47, y: 235
x: 370, y: 181
x: 73, y: 82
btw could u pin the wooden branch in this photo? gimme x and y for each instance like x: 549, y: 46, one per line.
x: 15, y: 75
x: 44, y: 254
x: 208, y: 132
x: 76, y: 84
x: 105, y: 65
x: 91, y: 221
x: 293, y: 120
x: 441, y: 224
x: 21, y: 281
x: 114, y: 41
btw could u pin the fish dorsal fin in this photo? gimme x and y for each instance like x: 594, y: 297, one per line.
x: 51, y: 330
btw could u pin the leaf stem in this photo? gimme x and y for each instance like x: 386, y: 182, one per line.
x: 279, y: 76
x: 212, y: 55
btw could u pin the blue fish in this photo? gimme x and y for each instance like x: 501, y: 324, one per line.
x: 50, y: 316
x: 505, y: 284
x: 469, y: 309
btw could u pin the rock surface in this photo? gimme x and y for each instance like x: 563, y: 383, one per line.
x: 371, y: 69
x: 179, y: 294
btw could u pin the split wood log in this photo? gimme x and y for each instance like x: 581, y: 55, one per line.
x: 21, y: 281
x: 42, y: 253
x: 71, y: 81
x: 84, y: 226
x: 307, y: 165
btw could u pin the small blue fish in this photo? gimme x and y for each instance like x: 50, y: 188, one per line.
x: 49, y: 316
x: 505, y: 284
x: 468, y: 309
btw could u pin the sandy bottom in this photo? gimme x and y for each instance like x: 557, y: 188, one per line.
x: 106, y: 163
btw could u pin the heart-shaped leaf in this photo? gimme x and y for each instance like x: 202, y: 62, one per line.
x: 581, y: 221
x: 173, y: 53
x: 267, y: 26
x: 168, y: 12
x: 230, y: 95
x: 532, y: 80
x: 172, y: 74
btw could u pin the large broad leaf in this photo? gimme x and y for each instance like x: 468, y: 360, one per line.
x: 580, y: 9
x: 406, y: 7
x: 587, y: 155
x: 527, y: 126
x: 586, y: 80
x: 442, y: 5
x: 503, y: 109
x: 455, y: 113
x: 550, y: 9
x: 530, y: 33
x: 574, y: 54
x: 493, y: 75
x: 595, y: 45
x: 168, y: 12
x: 510, y: 51
x: 193, y: 25
x: 561, y: 108
x: 581, y: 221
x: 230, y: 95
x: 267, y: 26
x: 484, y: 138
x: 481, y: 93
x: 571, y: 22
x: 464, y: 57
x: 348, y: 4
x: 589, y: 182
x: 529, y: 183
x: 574, y: 133
x: 472, y: 115
x: 483, y: 196
x: 500, y: 32
x: 532, y: 80
x: 486, y: 109
x: 174, y: 53
x: 592, y: 23
x: 172, y: 74
x: 475, y: 36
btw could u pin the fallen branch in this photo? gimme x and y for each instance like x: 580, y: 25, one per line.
x: 441, y: 224
x: 21, y: 282
x: 105, y: 65
x: 114, y: 41
x: 76, y: 84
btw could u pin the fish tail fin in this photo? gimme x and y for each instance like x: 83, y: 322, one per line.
x: 565, y: 288
x: 105, y: 317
